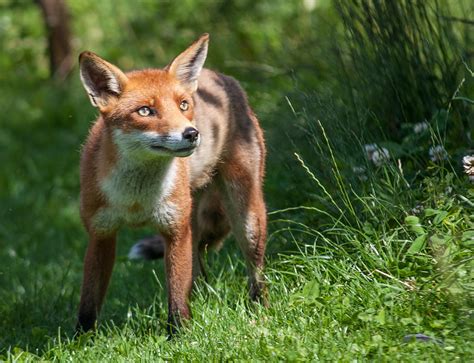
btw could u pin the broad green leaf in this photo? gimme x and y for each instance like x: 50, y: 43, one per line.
x: 414, y: 225
x: 417, y: 244
x: 431, y: 212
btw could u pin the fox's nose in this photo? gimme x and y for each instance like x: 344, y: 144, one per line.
x: 191, y: 134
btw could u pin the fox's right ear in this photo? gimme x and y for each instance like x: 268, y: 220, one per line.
x: 101, y: 79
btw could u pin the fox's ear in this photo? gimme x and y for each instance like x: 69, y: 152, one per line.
x: 101, y: 79
x: 187, y: 66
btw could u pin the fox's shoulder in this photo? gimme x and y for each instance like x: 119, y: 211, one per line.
x: 215, y: 87
x: 210, y: 77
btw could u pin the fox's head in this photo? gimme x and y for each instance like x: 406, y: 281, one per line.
x: 149, y: 112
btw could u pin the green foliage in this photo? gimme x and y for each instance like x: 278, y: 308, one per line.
x: 365, y: 251
x: 406, y: 56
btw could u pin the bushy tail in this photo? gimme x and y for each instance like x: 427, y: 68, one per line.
x: 150, y: 248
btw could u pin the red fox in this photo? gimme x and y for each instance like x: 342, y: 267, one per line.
x: 181, y: 150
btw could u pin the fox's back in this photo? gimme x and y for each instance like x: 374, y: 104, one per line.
x: 229, y: 129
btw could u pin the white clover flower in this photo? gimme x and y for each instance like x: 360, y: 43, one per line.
x: 376, y: 154
x: 380, y: 156
x: 359, y: 171
x: 468, y: 163
x: 416, y: 210
x: 419, y: 127
x: 438, y: 153
x: 370, y: 148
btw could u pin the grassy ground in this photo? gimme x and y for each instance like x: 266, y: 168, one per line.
x: 362, y: 254
x: 350, y: 277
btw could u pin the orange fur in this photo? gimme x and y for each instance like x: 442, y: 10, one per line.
x: 178, y: 148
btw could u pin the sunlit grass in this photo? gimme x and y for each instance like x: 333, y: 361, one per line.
x: 347, y: 287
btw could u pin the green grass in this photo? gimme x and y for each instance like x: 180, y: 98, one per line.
x: 341, y: 316
x: 356, y: 260
x: 349, y: 286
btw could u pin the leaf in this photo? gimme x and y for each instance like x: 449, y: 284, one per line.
x: 380, y: 318
x: 440, y: 217
x: 414, y: 225
x: 412, y: 220
x: 431, y: 212
x: 417, y: 244
x: 308, y: 295
x: 311, y: 289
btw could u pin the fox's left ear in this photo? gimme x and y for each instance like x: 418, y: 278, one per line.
x: 187, y: 66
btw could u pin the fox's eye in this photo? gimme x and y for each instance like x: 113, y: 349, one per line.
x: 145, y: 111
x: 184, y: 105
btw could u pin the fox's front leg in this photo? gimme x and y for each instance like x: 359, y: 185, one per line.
x: 179, y: 276
x: 98, y: 264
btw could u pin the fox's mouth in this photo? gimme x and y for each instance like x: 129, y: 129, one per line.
x: 184, y: 150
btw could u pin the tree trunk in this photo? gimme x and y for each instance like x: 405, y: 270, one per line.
x: 56, y: 18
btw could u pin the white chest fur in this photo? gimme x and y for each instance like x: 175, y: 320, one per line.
x: 138, y: 194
